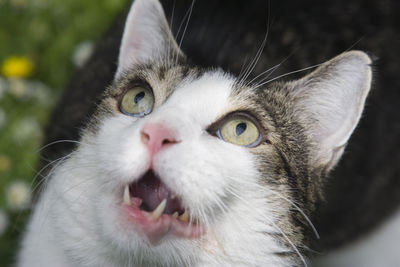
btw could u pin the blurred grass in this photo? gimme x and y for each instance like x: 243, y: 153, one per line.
x: 47, y: 33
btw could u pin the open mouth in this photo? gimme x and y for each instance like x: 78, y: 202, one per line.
x: 157, y: 211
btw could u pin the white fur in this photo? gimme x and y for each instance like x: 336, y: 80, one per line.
x: 78, y: 221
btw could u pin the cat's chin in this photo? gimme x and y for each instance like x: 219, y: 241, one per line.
x: 165, y: 226
x: 156, y: 212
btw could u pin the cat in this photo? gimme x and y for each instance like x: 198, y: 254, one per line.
x: 241, y: 161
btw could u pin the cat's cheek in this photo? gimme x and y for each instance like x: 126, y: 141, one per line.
x: 206, y: 172
x: 120, y: 154
x: 115, y: 228
x: 114, y: 224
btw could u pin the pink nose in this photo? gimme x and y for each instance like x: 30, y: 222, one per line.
x: 156, y: 136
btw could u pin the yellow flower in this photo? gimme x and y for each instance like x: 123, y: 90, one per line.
x: 19, y: 3
x: 17, y: 67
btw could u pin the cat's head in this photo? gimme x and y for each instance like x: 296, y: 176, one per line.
x: 183, y: 164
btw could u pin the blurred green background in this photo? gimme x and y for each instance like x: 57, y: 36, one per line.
x: 42, y: 43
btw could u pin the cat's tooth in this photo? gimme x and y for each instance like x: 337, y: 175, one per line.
x: 127, y: 196
x: 175, y: 215
x: 159, y: 210
x: 184, y: 217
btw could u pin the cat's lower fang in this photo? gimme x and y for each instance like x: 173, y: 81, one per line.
x: 184, y: 217
x: 127, y: 196
x: 165, y: 225
x: 157, y: 212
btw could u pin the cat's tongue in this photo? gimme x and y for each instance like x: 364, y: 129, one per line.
x: 152, y: 191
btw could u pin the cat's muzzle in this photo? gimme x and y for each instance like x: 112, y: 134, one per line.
x: 158, y: 212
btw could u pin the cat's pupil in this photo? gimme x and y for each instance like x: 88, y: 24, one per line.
x: 138, y: 97
x: 240, y: 128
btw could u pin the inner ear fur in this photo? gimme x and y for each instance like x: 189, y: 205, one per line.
x: 147, y: 37
x: 329, y: 102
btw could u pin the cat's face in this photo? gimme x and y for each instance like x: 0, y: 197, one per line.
x: 182, y: 165
x: 180, y: 144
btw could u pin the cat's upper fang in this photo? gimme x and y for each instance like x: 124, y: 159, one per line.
x: 154, y: 196
x: 157, y: 212
x: 127, y: 196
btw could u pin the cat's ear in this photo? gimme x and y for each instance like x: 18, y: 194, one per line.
x: 147, y: 36
x: 330, y: 101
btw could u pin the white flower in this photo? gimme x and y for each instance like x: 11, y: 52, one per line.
x: 20, y: 88
x: 18, y: 196
x: 3, y: 221
x: 42, y: 94
x: 82, y: 53
x: 27, y: 129
x: 3, y: 118
x: 39, y: 4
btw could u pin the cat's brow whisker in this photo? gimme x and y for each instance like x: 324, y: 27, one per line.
x: 242, y: 69
x: 288, y: 73
x: 169, y: 39
x: 181, y: 24
x: 187, y: 22
x: 274, y: 68
x: 254, y: 62
x: 180, y: 27
x: 264, y: 72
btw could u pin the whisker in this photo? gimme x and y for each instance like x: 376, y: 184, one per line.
x: 300, y: 210
x: 187, y: 22
x: 57, y: 162
x: 168, y: 61
x: 264, y: 72
x: 59, y: 198
x: 293, y: 204
x: 188, y: 12
x: 57, y: 142
x: 289, y: 73
x: 254, y: 62
x: 275, y: 226
x: 353, y: 45
x: 273, y: 69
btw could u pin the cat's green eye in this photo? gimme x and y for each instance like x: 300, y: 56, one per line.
x: 137, y: 101
x: 240, y: 131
